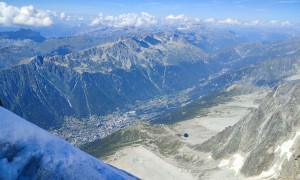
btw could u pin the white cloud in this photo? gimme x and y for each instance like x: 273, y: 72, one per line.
x: 59, y: 15
x: 130, y: 19
x: 81, y: 18
x: 279, y: 23
x: 274, y: 22
x: 183, y: 21
x: 209, y: 20
x: 253, y: 23
x: 229, y: 21
x: 173, y: 18
x: 267, y: 23
x: 26, y: 15
x: 285, y: 23
x: 62, y: 16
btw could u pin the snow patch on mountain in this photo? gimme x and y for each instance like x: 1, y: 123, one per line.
x: 223, y: 163
x: 271, y: 173
x: 235, y: 162
x: 286, y: 147
x: 293, y: 78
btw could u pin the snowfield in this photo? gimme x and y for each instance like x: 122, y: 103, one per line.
x: 29, y: 152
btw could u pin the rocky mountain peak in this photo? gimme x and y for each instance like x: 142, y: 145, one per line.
x: 267, y: 137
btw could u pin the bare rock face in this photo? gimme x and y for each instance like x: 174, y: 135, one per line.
x: 267, y: 137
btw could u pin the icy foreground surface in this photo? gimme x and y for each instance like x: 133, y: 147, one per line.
x: 27, y: 151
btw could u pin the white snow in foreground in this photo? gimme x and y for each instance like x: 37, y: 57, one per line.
x: 27, y: 151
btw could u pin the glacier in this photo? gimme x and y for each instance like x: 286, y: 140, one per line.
x: 29, y: 152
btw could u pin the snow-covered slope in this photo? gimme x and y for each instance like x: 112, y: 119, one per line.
x: 27, y: 151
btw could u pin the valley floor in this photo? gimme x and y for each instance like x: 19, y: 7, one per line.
x: 148, y: 161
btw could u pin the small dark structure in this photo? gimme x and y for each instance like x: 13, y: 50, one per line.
x: 1, y: 104
x: 186, y: 135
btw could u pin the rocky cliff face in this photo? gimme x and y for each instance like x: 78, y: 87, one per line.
x: 160, y: 58
x: 267, y: 138
x: 54, y: 92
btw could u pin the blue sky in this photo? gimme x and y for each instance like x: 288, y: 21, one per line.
x: 241, y: 9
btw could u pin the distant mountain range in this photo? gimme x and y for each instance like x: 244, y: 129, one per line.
x: 23, y: 34
x: 98, y: 80
x: 113, y: 75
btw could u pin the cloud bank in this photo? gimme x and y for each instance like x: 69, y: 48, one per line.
x: 26, y: 15
x: 30, y: 16
x: 173, y: 18
x: 146, y: 19
x: 229, y: 21
x: 130, y: 19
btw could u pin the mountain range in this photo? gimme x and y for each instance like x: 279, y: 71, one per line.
x: 197, y: 103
